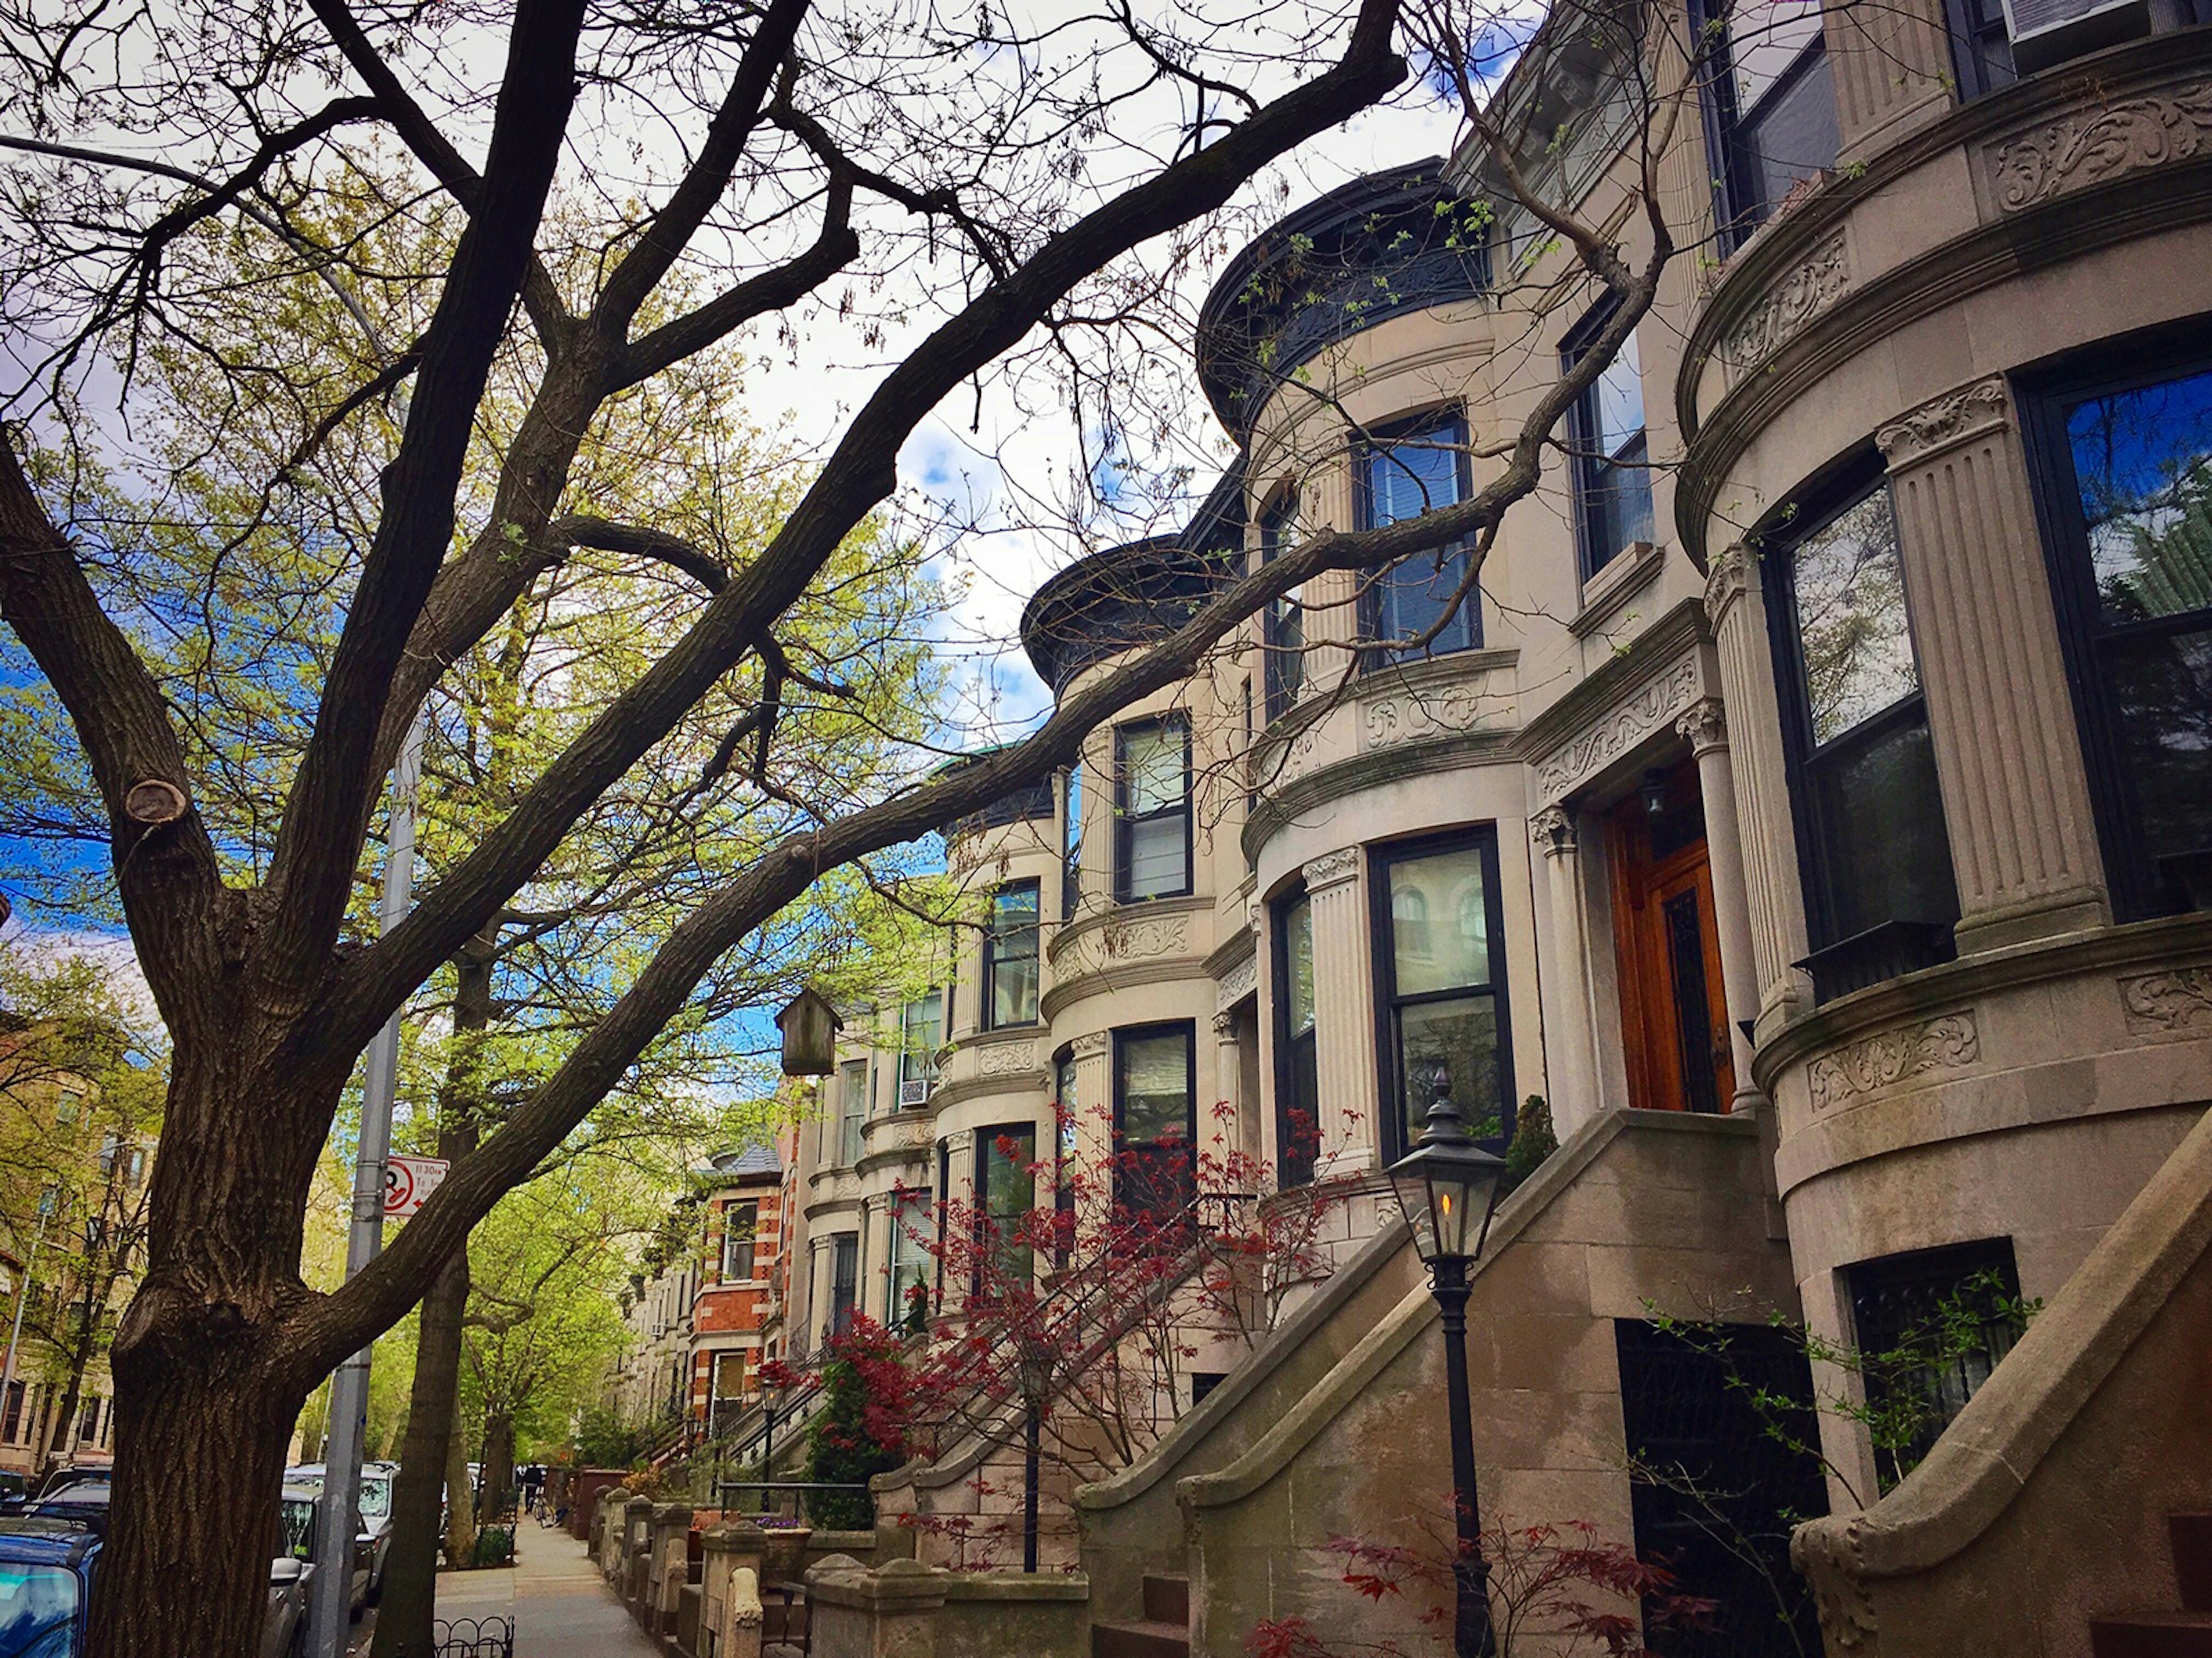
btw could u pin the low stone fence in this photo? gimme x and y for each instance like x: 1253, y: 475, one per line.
x: 904, y: 1609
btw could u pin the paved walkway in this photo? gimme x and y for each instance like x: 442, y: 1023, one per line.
x: 562, y: 1607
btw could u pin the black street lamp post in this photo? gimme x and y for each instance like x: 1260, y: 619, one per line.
x: 1448, y: 1185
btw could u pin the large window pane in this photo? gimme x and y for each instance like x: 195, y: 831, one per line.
x: 2161, y: 689
x: 1849, y: 594
x: 1775, y: 108
x: 1152, y: 794
x: 1455, y: 1043
x: 1613, y: 481
x: 851, y: 1109
x: 1298, y: 1077
x: 1155, y: 1089
x: 1440, y: 931
x: 1006, y: 1173
x: 1407, y: 475
x: 1284, y: 629
x: 1010, y: 956
x: 909, y: 1282
x: 921, y: 1025
x: 1152, y: 762
x: 1071, y: 842
x: 2142, y: 464
x: 1877, y: 803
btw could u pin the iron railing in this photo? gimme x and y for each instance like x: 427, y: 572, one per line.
x: 474, y: 1638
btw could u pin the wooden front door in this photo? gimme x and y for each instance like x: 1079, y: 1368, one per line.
x: 1674, y: 1016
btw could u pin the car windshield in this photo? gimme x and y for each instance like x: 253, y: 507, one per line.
x: 36, y: 1603
x: 297, y: 1527
x: 375, y: 1497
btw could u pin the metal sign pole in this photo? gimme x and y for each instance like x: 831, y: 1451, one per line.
x: 340, y: 1520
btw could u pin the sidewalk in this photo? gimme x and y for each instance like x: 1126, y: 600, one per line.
x: 562, y: 1607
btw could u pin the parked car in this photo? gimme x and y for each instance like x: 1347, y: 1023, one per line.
x: 14, y: 1492
x: 45, y: 1583
x: 292, y: 1573
x: 82, y: 1502
x: 374, y: 1539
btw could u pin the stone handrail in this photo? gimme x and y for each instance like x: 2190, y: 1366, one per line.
x: 1991, y: 1455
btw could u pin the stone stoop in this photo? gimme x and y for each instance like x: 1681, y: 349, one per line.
x: 1165, y: 1629
x: 2184, y: 1634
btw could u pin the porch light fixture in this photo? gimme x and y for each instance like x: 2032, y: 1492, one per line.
x: 1448, y: 1187
x: 1654, y: 791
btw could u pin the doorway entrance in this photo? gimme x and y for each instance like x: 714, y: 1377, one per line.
x: 1673, y: 1014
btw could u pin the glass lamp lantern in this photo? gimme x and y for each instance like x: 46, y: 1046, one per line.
x: 1448, y: 1187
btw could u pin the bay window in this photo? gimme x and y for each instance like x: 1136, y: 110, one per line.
x: 1413, y: 469
x: 1155, y: 1120
x: 1151, y: 788
x: 851, y: 1109
x: 1442, y: 1004
x: 1770, y: 106
x: 909, y: 1265
x: 1297, y: 1073
x: 921, y: 1034
x: 1010, y: 957
x: 1880, y: 898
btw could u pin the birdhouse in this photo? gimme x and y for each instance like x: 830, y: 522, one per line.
x: 810, y: 1027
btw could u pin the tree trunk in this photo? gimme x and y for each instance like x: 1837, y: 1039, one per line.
x: 498, y: 1466
x: 460, y: 1497
x: 405, y: 1615
x: 199, y: 1459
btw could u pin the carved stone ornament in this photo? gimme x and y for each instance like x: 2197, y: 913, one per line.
x: 1794, y: 299
x: 1729, y: 579
x: 1405, y: 717
x: 1553, y: 832
x: 1704, y: 727
x: 1827, y: 1552
x: 1089, y: 1046
x: 1237, y: 983
x: 1331, y: 867
x: 2176, y: 1000
x: 1224, y: 1026
x: 1889, y: 1057
x: 1006, y: 1059
x: 1151, y: 935
x: 2099, y: 142
x: 1942, y: 422
x: 1592, y: 750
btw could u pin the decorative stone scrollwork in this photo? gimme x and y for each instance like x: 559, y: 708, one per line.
x: 1153, y: 935
x: 2176, y: 1000
x: 1553, y: 832
x: 1331, y: 867
x: 1596, y: 747
x: 1828, y: 1554
x: 1005, y: 1059
x: 1089, y: 1046
x: 1237, y: 983
x: 1224, y: 1026
x: 1889, y: 1057
x: 1798, y: 296
x: 1727, y: 581
x: 1942, y: 422
x: 1704, y: 727
x: 2099, y: 142
x: 1406, y: 717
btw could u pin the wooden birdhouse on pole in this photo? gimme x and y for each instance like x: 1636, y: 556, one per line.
x: 810, y: 1027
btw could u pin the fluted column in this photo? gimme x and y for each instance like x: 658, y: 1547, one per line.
x: 1574, y: 1090
x: 1892, y: 71
x: 1092, y: 1052
x: 2007, y: 756
x: 1344, y: 1041
x: 1706, y: 731
x: 1735, y: 604
x: 1222, y: 1125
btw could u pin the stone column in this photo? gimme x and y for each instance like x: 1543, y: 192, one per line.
x: 2008, y: 754
x: 1093, y: 1053
x: 1574, y: 1090
x: 1892, y: 70
x: 1220, y: 1136
x: 1736, y: 605
x: 1706, y: 731
x: 1344, y: 993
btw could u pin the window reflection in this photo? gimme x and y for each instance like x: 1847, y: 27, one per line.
x: 1850, y: 619
x: 1442, y: 995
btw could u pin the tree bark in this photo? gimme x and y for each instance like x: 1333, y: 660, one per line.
x: 460, y: 1496
x: 498, y: 1466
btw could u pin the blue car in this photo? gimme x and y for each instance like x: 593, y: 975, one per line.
x: 45, y: 1583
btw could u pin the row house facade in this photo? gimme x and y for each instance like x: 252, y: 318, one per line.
x: 1810, y: 803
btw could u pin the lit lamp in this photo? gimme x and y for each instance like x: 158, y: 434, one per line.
x: 1448, y: 1185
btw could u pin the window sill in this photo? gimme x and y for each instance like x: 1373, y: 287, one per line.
x: 1605, y: 594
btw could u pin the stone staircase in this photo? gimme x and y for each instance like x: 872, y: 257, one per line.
x: 1165, y: 1629
x: 2184, y: 1634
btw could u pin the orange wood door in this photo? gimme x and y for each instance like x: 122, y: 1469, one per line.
x: 1673, y: 1013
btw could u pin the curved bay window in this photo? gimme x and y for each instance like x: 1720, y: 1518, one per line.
x: 1880, y: 899
x: 1155, y: 1120
x: 1151, y: 816
x: 1770, y: 106
x: 1283, y: 629
x: 1005, y: 1192
x: 1403, y: 472
x: 1297, y: 1072
x: 1441, y: 962
x: 2127, y: 465
x: 1010, y: 957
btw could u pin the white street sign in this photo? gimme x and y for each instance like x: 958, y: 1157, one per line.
x: 407, y: 1181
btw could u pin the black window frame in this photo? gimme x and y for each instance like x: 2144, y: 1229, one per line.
x: 1483, y: 838
x: 1282, y: 665
x: 1585, y: 438
x: 1071, y: 839
x: 853, y: 1142
x: 925, y: 1070
x: 752, y: 1241
x: 1125, y: 822
x: 1840, y: 963
x: 1373, y: 651
x: 986, y: 1139
x: 2136, y: 890
x: 1294, y: 1162
x: 844, y: 1288
x: 995, y: 936
x: 1123, y: 1036
x: 1737, y: 211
